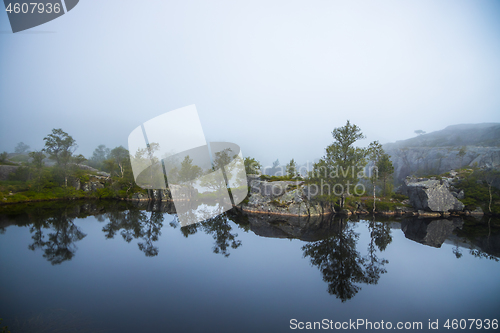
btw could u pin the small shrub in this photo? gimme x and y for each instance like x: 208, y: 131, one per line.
x: 104, y: 193
x: 279, y: 203
x: 400, y: 197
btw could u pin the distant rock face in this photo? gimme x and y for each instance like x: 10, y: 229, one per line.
x: 438, y: 160
x: 440, y: 151
x: 432, y: 195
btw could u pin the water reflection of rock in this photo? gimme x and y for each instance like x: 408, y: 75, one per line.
x: 430, y: 232
x: 53, y: 230
x: 305, y: 228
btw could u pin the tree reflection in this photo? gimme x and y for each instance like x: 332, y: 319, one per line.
x: 342, y: 266
x: 136, y: 224
x: 60, y: 245
x: 220, y: 229
x: 150, y: 231
x: 380, y: 236
x: 481, y: 237
x: 480, y: 252
x: 380, y: 232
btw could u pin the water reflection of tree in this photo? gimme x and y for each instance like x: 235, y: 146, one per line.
x: 380, y: 236
x: 481, y: 253
x: 60, y: 245
x: 342, y: 266
x: 220, y: 229
x: 481, y: 240
x: 151, y: 230
x: 136, y: 224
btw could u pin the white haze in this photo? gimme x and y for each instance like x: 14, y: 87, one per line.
x: 274, y: 77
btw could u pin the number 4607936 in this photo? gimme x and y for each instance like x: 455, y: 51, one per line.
x: 33, y: 7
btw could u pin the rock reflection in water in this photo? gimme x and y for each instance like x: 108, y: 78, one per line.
x: 305, y: 228
x: 481, y: 237
x: 429, y: 232
x: 53, y: 231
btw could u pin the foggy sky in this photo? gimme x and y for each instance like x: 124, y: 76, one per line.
x: 274, y: 77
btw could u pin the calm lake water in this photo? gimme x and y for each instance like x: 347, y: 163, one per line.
x: 115, y: 267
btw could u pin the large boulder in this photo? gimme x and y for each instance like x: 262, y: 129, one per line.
x: 431, y: 195
x: 279, y: 198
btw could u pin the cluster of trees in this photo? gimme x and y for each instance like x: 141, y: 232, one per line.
x: 60, y: 148
x: 339, y: 172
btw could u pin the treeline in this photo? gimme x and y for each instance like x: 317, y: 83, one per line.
x: 56, y: 171
x: 344, y: 172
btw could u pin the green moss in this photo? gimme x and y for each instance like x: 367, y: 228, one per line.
x: 278, y: 178
x: 279, y: 203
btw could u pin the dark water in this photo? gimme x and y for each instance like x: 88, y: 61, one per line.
x: 113, y: 267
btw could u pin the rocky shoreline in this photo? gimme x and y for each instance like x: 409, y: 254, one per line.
x: 427, y: 198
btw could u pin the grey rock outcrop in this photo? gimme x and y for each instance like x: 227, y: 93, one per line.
x: 431, y: 195
x: 437, y: 160
x: 439, y: 151
x: 94, y: 183
x: 6, y: 170
x: 89, y: 168
x: 279, y: 197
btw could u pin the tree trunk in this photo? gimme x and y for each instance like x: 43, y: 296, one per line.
x: 491, y: 198
x: 121, y: 169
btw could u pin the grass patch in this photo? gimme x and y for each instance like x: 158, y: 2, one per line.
x: 278, y: 178
x: 399, y: 197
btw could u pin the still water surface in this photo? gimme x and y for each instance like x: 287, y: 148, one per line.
x: 113, y: 267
